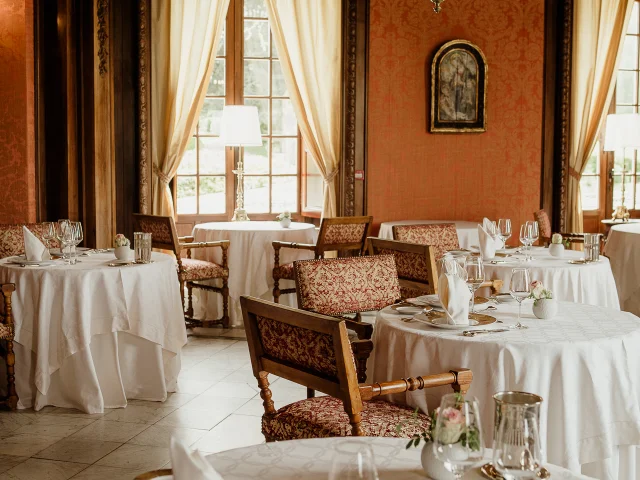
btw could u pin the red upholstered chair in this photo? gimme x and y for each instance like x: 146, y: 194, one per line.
x: 12, y: 238
x: 6, y: 334
x: 190, y: 271
x: 313, y: 350
x: 441, y: 236
x: 544, y: 228
x: 338, y: 233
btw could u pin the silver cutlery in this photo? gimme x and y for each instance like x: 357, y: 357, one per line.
x: 473, y: 333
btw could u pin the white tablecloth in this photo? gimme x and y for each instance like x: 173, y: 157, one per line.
x: 89, y: 336
x: 251, y: 258
x: 313, y: 458
x: 592, y: 283
x: 623, y: 250
x: 467, y: 231
x: 585, y: 363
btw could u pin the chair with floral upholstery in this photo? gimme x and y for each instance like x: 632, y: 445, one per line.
x: 12, y: 238
x: 190, y: 271
x: 338, y: 233
x: 314, y: 350
x: 6, y: 346
x: 441, y: 236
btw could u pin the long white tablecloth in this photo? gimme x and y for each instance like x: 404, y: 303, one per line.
x: 251, y: 259
x: 585, y: 363
x: 313, y: 458
x: 592, y: 283
x: 89, y: 336
x: 467, y: 231
x: 623, y: 250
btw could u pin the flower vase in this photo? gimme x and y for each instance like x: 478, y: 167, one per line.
x: 556, y: 250
x: 433, y: 467
x: 285, y: 222
x: 122, y: 253
x: 545, y: 308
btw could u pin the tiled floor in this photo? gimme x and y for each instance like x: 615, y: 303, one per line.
x: 216, y: 407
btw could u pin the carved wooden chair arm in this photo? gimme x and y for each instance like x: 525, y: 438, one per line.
x: 277, y: 245
x: 224, y: 244
x: 459, y: 379
x: 188, y: 238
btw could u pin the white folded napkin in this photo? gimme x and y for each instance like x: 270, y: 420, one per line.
x: 34, y: 249
x: 455, y: 297
x: 190, y: 465
x: 490, y: 227
x: 489, y: 243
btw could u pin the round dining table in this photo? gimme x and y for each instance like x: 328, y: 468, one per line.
x: 313, y: 459
x: 590, y: 283
x: 251, y: 260
x: 90, y: 336
x: 467, y: 231
x: 584, y: 363
x: 623, y: 250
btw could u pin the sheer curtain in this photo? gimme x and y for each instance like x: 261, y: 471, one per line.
x: 308, y: 36
x: 185, y: 35
x: 599, y: 27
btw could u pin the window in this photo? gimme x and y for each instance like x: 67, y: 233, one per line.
x: 590, y: 181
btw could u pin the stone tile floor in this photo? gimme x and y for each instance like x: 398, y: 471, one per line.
x: 216, y: 407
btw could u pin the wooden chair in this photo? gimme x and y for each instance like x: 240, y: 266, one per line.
x: 154, y: 474
x: 190, y: 271
x: 544, y: 229
x: 6, y: 351
x: 441, y: 236
x: 12, y: 238
x: 339, y: 233
x: 314, y: 350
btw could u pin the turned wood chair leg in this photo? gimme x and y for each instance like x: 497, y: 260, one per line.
x: 225, y: 303
x: 356, y: 429
x: 190, y: 300
x: 182, y: 295
x: 265, y: 394
x: 276, y: 291
x: 12, y: 396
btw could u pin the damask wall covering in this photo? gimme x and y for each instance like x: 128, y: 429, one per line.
x: 17, y: 121
x: 413, y: 174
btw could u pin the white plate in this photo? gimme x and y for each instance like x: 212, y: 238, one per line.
x: 422, y: 318
x: 417, y: 302
x: 459, y: 252
x: 505, y: 298
x: 407, y: 310
x: 432, y: 300
x: 21, y: 260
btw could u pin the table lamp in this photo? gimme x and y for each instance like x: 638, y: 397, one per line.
x: 622, y: 132
x: 240, y: 128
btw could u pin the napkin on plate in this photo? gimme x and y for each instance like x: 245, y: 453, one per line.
x: 455, y: 297
x: 34, y: 249
x: 489, y: 241
x: 190, y: 465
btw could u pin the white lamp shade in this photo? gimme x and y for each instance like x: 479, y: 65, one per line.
x: 622, y: 131
x: 240, y: 126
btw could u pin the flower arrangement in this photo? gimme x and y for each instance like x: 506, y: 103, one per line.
x: 121, y: 241
x: 283, y: 215
x: 556, y: 239
x: 539, y: 292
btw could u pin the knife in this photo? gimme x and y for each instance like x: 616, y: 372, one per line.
x: 473, y: 333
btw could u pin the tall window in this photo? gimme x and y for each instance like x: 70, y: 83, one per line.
x: 590, y: 181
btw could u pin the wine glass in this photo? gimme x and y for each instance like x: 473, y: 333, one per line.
x: 457, y: 438
x: 504, y: 230
x: 475, y: 277
x: 517, y: 449
x: 77, y: 237
x: 535, y: 233
x: 64, y: 235
x: 353, y: 460
x: 48, y: 234
x: 520, y: 288
x: 525, y: 238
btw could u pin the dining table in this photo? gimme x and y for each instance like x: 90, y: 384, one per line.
x: 94, y: 334
x: 251, y: 260
x: 584, y: 363
x: 623, y: 250
x: 467, y: 231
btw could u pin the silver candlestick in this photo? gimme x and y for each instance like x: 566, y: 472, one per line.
x: 240, y: 214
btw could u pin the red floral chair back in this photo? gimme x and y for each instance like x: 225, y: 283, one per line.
x: 343, y: 233
x: 12, y: 238
x: 441, y: 236
x: 164, y: 235
x: 341, y: 286
x: 544, y: 224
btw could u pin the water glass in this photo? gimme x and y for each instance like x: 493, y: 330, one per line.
x: 64, y: 234
x: 475, y: 277
x: 49, y: 234
x: 520, y: 288
x: 142, y: 247
x: 517, y: 447
x: 535, y: 233
x: 77, y: 236
x: 504, y: 230
x: 591, y: 247
x: 353, y: 460
x: 526, y: 238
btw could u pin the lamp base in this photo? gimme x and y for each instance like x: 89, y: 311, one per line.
x: 240, y: 215
x: 621, y: 213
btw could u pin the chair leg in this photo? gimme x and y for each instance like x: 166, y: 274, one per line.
x: 276, y: 290
x: 225, y: 303
x: 12, y: 396
x: 265, y: 393
x: 182, y: 282
x: 356, y: 429
x: 190, y: 300
x: 311, y: 392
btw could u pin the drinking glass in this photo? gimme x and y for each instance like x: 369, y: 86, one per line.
x: 591, y: 247
x: 49, y: 234
x: 517, y: 448
x: 78, y: 236
x: 475, y: 277
x: 504, y: 230
x: 64, y: 235
x: 142, y: 247
x: 535, y: 234
x: 353, y: 460
x: 525, y: 238
x: 520, y: 288
x: 457, y: 438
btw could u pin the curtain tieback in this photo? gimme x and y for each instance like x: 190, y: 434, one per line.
x: 574, y: 173
x: 329, y: 178
x: 163, y: 177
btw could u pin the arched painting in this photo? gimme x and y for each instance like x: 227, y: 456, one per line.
x: 458, y: 88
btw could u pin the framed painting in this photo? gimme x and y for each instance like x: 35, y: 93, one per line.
x: 458, y: 88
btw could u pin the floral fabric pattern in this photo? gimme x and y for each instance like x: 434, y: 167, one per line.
x: 442, y: 236
x: 544, y: 224
x: 159, y: 229
x: 202, y: 270
x: 6, y: 332
x: 12, y: 238
x: 345, y: 233
x: 347, y: 285
x: 284, y: 271
x: 410, y: 266
x: 301, y: 347
x: 325, y: 417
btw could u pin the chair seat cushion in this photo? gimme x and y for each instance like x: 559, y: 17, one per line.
x: 284, y: 271
x: 325, y: 417
x: 202, y: 270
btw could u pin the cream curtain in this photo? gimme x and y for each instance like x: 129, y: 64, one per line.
x: 599, y: 27
x: 185, y: 35
x: 308, y: 37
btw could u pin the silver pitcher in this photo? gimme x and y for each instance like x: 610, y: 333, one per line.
x: 516, y: 403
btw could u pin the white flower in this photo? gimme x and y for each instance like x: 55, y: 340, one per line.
x: 556, y: 238
x: 538, y: 291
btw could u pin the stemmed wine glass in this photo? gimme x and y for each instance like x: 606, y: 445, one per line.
x: 504, y: 230
x: 475, y: 277
x: 457, y: 438
x: 64, y: 235
x: 517, y: 449
x: 49, y: 234
x: 525, y: 238
x: 77, y: 237
x: 535, y: 234
x: 520, y: 288
x: 353, y: 460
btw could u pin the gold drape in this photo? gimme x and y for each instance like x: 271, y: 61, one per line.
x: 185, y: 35
x: 599, y: 27
x: 308, y: 37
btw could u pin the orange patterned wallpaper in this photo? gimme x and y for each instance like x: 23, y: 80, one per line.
x: 413, y: 174
x: 17, y: 118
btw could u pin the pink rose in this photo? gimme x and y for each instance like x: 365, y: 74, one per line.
x: 535, y: 283
x: 453, y: 415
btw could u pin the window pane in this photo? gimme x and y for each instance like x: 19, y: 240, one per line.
x: 256, y: 194
x: 591, y: 168
x: 263, y: 112
x: 626, y: 88
x: 589, y: 190
x: 210, y: 116
x: 278, y: 87
x: 256, y: 77
x: 315, y: 185
x: 274, y: 49
x: 188, y: 164
x: 187, y: 195
x: 222, y: 46
x: 256, y: 38
x: 212, y: 158
x: 637, y: 205
x: 255, y: 9
x: 633, y: 21
x: 284, y: 120
x: 285, y: 194
x: 625, y: 109
x: 212, y: 197
x: 284, y: 156
x: 629, y: 60
x: 617, y: 190
x: 628, y: 161
x: 256, y: 159
x: 217, y: 83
